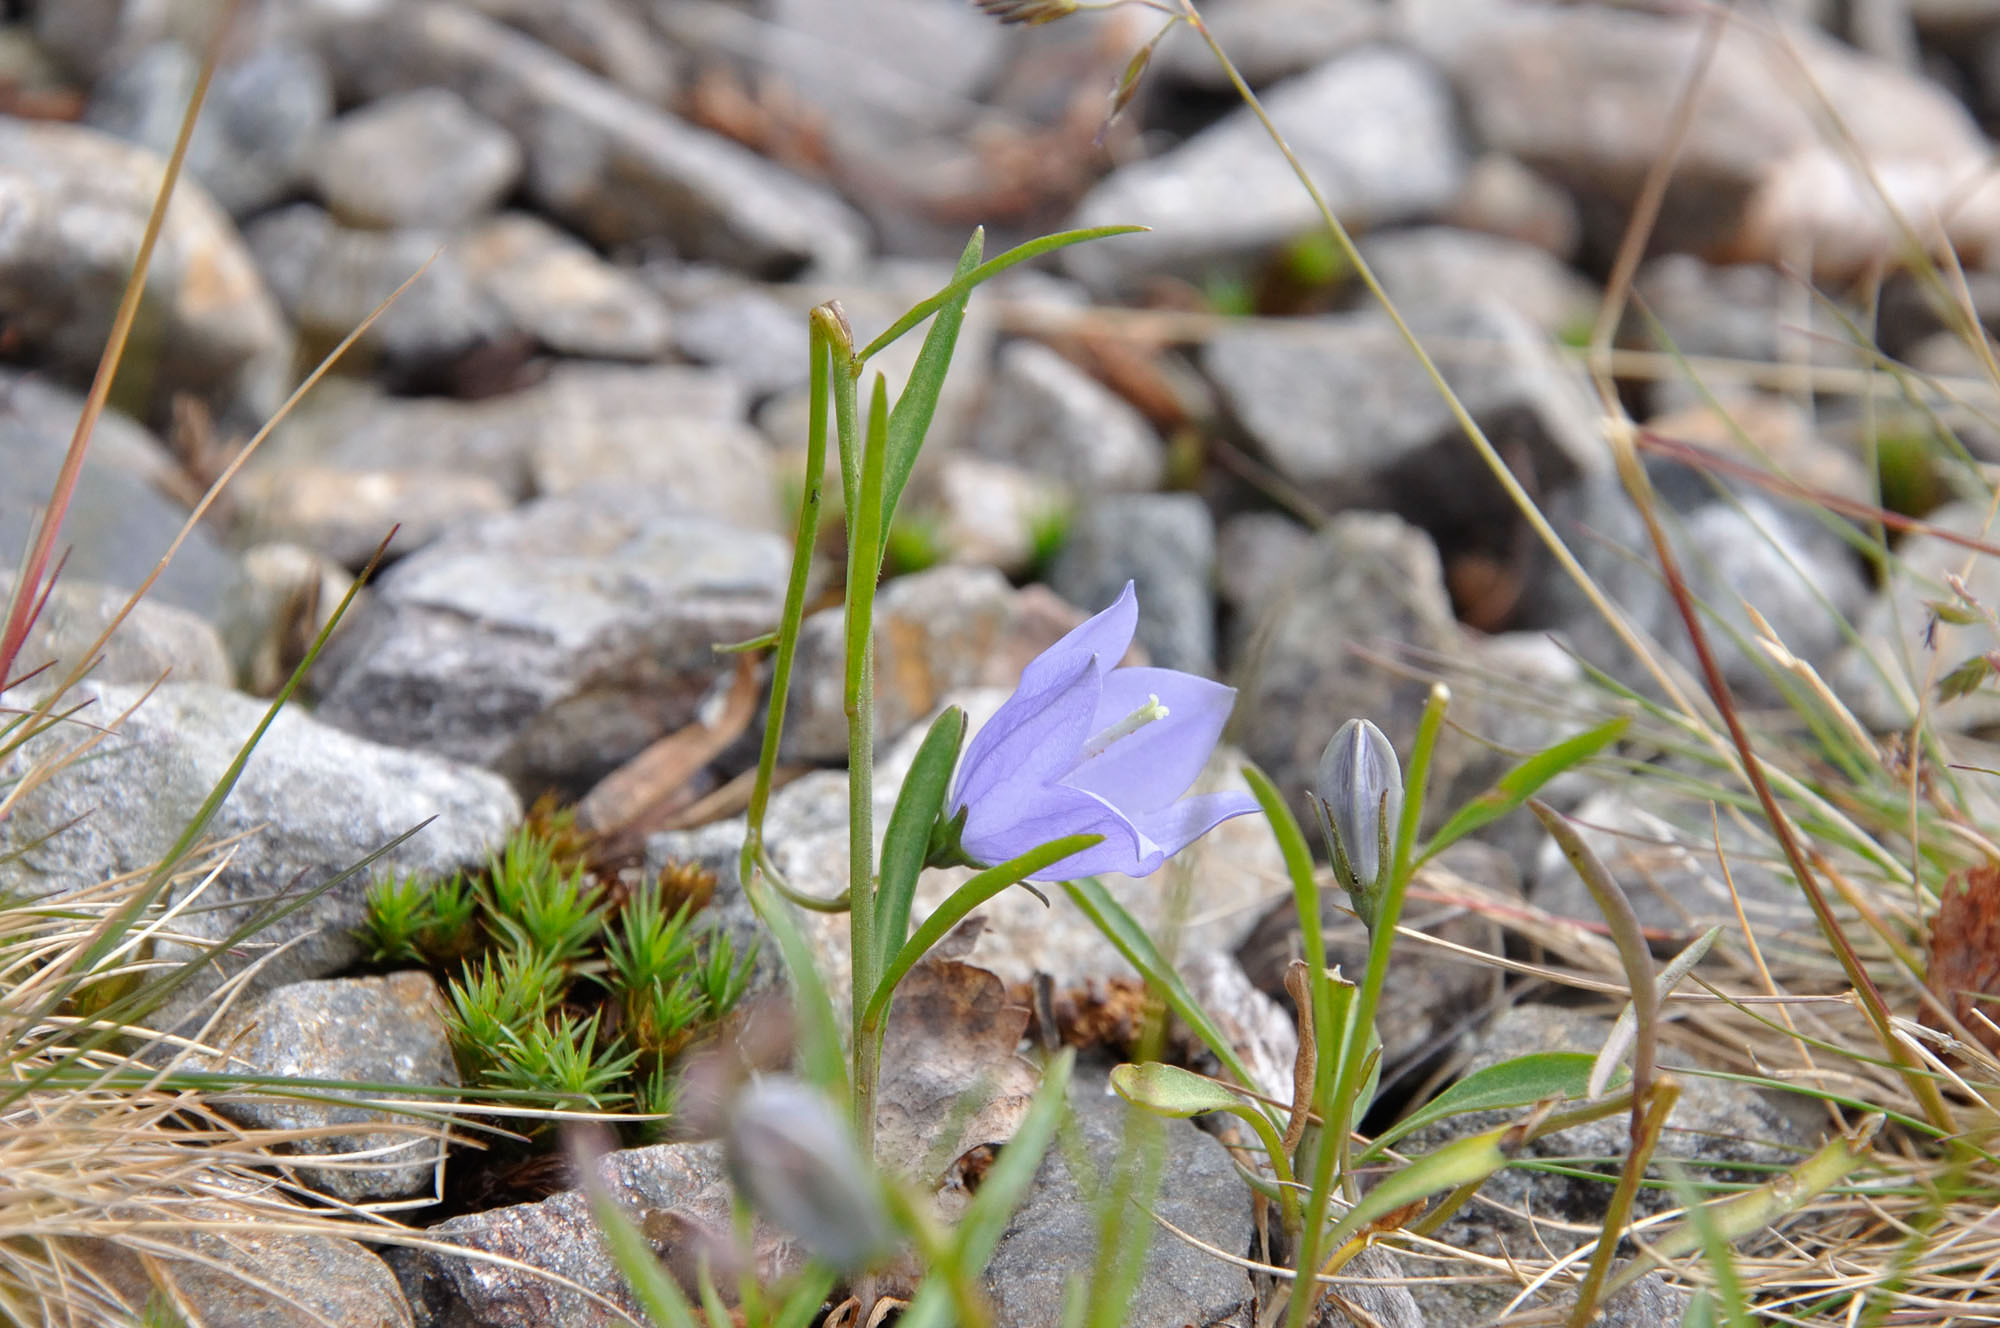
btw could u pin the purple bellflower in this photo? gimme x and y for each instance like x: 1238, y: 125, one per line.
x: 1085, y: 747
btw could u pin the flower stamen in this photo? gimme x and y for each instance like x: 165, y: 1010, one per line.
x: 1124, y: 728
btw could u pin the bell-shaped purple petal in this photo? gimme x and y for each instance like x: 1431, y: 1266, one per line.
x: 1107, y: 635
x: 1004, y: 828
x: 1034, y: 736
x: 1174, y: 828
x: 1149, y: 768
x: 1075, y: 751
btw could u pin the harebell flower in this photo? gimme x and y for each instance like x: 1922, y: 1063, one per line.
x: 1086, y: 747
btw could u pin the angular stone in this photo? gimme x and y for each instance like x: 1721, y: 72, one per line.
x: 264, y: 110
x: 1344, y: 410
x: 559, y: 292
x: 311, y: 803
x: 421, y: 159
x: 555, y: 641
x: 381, y: 1030
x: 120, y: 518
x: 748, y: 335
x: 1438, y: 267
x: 222, y: 1265
x: 1164, y: 544
x: 615, y: 169
x: 346, y: 514
x: 77, y: 204
x: 996, y: 515
x: 330, y: 278
x: 678, y: 1194
x: 1051, y: 1240
x: 155, y: 640
x: 1375, y: 127
x: 1048, y: 416
x: 1370, y: 583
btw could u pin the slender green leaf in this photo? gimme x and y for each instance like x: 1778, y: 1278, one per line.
x: 802, y: 1306
x: 1168, y: 1090
x: 1130, y: 939
x: 1512, y: 1083
x: 986, y: 271
x: 658, y: 1294
x: 1460, y: 1162
x: 1523, y: 782
x: 911, y: 419
x: 907, y: 840
x: 1298, y: 864
x: 961, y: 902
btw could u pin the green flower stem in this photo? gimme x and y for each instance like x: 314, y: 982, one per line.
x: 1337, y: 1108
x: 826, y: 331
x: 864, y: 562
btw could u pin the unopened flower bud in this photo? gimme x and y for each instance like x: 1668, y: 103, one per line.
x: 1359, y: 797
x: 794, y: 1157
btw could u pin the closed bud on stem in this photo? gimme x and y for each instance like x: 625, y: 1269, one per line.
x: 790, y: 1152
x: 1358, y: 796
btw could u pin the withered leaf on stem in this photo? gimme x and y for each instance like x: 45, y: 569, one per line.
x: 1964, y: 970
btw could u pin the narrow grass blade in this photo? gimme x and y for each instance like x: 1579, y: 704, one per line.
x: 1298, y: 864
x: 1627, y: 1026
x: 906, y: 842
x: 1514, y: 1083
x: 911, y: 419
x: 1460, y: 1162
x: 991, y: 268
x: 1523, y: 782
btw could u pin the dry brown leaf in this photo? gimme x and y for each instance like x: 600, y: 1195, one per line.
x: 951, y: 1080
x: 1964, y: 971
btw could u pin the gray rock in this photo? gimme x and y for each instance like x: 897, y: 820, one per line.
x: 263, y: 112
x: 1716, y: 1122
x: 677, y: 1193
x: 382, y: 1030
x: 1256, y: 554
x: 670, y: 430
x: 1370, y: 583
x: 1672, y: 877
x: 748, y: 335
x: 155, y: 640
x: 562, y: 294
x: 421, y: 159
x: 1165, y: 544
x: 330, y: 278
x: 1343, y: 409
x: 347, y: 514
x: 1502, y: 196
x: 555, y: 641
x: 1045, y: 414
x: 1743, y: 311
x: 1052, y: 1239
x: 609, y: 166
x: 1269, y: 40
x: 119, y: 522
x: 1895, y: 658
x: 311, y: 803
x: 1439, y: 267
x: 239, y: 1266
x: 1576, y: 92
x: 611, y: 38
x: 353, y: 426
x: 995, y: 515
x: 78, y: 203
x: 1799, y: 574
x: 1375, y: 127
